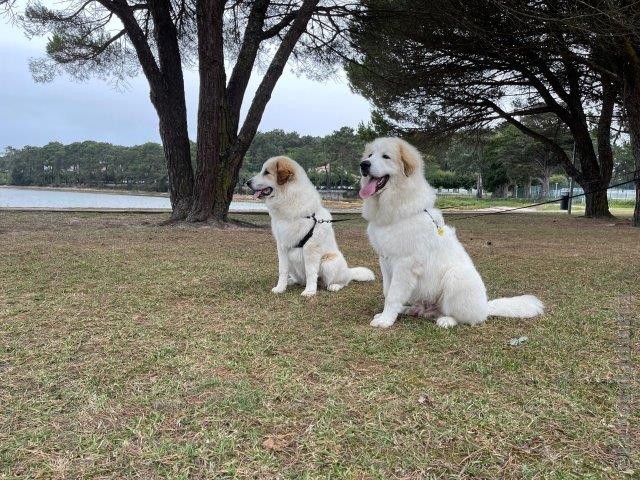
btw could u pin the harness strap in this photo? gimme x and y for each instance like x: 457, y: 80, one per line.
x: 316, y: 221
x: 309, y: 234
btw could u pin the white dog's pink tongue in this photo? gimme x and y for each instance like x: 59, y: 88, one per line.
x: 256, y: 194
x: 369, y: 189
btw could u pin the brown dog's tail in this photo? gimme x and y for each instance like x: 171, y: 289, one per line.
x: 361, y: 274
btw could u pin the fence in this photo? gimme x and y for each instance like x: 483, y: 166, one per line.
x: 536, y: 192
x: 612, y: 194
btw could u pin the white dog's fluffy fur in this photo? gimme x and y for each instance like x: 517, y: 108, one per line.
x: 425, y: 269
x: 290, y: 197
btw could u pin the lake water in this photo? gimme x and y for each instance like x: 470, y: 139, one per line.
x: 12, y: 197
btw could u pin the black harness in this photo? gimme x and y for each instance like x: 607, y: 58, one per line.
x: 316, y: 221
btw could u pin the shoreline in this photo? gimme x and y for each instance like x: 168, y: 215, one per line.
x: 240, y: 197
x: 107, y: 191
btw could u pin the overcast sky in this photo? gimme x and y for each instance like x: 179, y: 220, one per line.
x: 66, y: 111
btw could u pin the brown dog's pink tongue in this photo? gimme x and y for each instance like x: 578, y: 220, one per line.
x: 369, y: 189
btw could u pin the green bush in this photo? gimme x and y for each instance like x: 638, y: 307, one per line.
x: 450, y: 179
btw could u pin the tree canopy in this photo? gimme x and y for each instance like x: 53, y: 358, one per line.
x: 114, y: 39
x: 447, y: 66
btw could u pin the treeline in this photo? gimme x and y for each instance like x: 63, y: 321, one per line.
x: 493, y: 160
x: 331, y: 162
x: 142, y: 167
x: 87, y: 164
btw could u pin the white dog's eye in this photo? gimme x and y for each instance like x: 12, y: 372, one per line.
x: 266, y: 172
x: 370, y: 155
x: 384, y: 155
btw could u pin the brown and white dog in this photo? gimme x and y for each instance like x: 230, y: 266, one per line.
x: 306, y: 245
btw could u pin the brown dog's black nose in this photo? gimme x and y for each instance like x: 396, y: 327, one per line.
x: 365, y: 166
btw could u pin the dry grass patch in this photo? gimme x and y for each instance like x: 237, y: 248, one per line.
x: 132, y: 350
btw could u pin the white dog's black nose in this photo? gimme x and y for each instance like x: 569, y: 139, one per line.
x: 365, y: 166
x: 248, y: 183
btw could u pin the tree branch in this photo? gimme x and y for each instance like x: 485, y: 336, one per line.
x: 76, y: 13
x: 278, y: 27
x: 246, y: 59
x: 605, y: 154
x: 557, y: 149
x: 101, y: 48
x: 263, y: 94
x: 138, y: 39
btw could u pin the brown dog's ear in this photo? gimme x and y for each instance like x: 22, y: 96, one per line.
x: 284, y: 170
x: 410, y: 158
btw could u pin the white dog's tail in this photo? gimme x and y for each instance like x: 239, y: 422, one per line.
x: 361, y: 274
x: 524, y: 306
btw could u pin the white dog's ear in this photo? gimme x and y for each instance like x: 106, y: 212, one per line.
x: 409, y: 156
x: 284, y: 170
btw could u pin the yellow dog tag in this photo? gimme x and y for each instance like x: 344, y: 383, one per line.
x: 441, y: 231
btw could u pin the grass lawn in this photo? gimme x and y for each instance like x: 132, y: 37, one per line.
x: 130, y: 350
x: 620, y: 208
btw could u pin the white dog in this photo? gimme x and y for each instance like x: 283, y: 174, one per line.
x: 305, y: 240
x: 423, y: 263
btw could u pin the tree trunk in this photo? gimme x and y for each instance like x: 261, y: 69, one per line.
x: 527, y: 188
x: 597, y: 168
x: 177, y: 153
x: 173, y: 124
x: 230, y: 159
x: 595, y: 195
x: 634, y: 130
x: 631, y: 100
x: 500, y: 192
x: 636, y: 211
x: 479, y: 186
x: 328, y: 176
x: 597, y: 204
x: 544, y: 181
x: 226, y: 182
x: 211, y: 122
x: 166, y: 84
x: 593, y: 183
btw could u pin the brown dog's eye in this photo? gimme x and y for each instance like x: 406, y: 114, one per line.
x: 384, y: 155
x: 266, y: 172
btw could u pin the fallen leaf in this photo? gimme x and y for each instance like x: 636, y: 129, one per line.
x: 275, y: 443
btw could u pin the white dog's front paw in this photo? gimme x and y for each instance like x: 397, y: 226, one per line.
x: 334, y: 287
x: 380, y: 321
x: 278, y: 289
x: 308, y: 293
x: 446, y: 322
